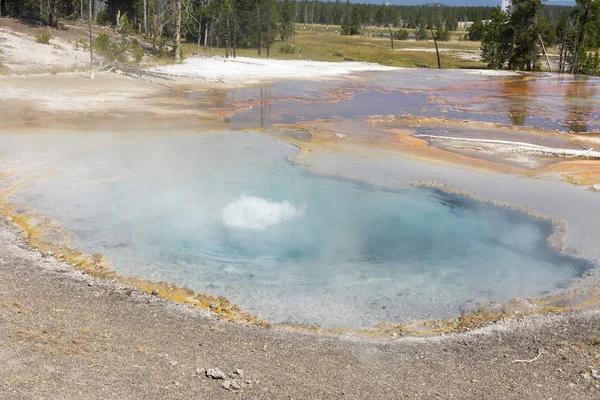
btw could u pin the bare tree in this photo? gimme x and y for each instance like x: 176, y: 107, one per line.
x: 258, y: 16
x: 234, y: 29
x: 91, y: 41
x: 145, y: 11
x: 177, y: 45
x: 52, y: 14
x: 437, y: 51
x: 207, y: 25
x: 270, y: 11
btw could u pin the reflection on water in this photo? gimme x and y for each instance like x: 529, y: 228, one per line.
x: 516, y: 97
x: 541, y: 100
x: 580, y: 95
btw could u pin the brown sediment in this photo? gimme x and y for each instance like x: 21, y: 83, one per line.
x: 579, y: 172
x: 396, y: 139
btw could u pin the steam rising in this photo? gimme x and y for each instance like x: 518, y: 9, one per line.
x: 255, y: 213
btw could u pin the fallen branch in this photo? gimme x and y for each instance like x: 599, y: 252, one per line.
x: 532, y: 360
x: 523, y: 147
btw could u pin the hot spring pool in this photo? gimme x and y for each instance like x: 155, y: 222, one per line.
x: 228, y: 214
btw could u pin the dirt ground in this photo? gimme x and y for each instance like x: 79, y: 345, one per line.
x: 66, y: 335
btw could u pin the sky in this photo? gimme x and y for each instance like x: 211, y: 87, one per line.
x: 456, y: 2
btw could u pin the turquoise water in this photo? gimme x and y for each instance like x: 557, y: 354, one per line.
x: 229, y: 215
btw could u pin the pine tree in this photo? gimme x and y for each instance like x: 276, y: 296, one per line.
x: 525, y: 35
x: 496, y: 41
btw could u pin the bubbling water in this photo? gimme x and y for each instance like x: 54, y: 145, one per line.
x: 255, y: 213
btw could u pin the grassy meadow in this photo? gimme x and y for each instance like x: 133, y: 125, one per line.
x: 319, y: 43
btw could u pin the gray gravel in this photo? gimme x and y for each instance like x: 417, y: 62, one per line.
x: 62, y: 338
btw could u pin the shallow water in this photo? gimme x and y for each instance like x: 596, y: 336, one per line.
x: 228, y: 214
x: 564, y: 103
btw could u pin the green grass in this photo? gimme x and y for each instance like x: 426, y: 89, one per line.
x: 43, y: 38
x: 319, y: 43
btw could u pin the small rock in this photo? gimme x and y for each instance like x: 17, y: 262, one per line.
x: 90, y: 284
x: 585, y: 376
x: 238, y: 373
x: 212, y: 306
x: 199, y: 371
x: 215, y: 373
x: 155, y: 292
x: 595, y: 374
x: 230, y: 385
x: 174, y: 363
x: 596, y: 187
x: 128, y: 292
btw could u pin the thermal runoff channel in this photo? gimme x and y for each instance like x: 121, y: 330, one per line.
x: 228, y: 214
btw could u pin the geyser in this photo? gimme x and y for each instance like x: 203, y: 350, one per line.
x: 228, y: 214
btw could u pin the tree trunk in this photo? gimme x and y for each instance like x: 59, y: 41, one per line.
x: 53, y: 14
x: 259, y: 45
x: 80, y: 9
x: 69, y: 7
x: 545, y: 53
x: 2, y: 8
x: 227, y: 37
x: 391, y: 36
x: 199, y: 33
x: 269, y: 28
x: 177, y: 45
x: 211, y: 32
x: 17, y: 5
x: 561, y: 67
x: 145, y: 11
x: 206, y: 30
x: 234, y: 37
x: 91, y: 41
x: 437, y: 52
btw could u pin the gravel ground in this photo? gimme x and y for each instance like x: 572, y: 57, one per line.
x: 65, y: 335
